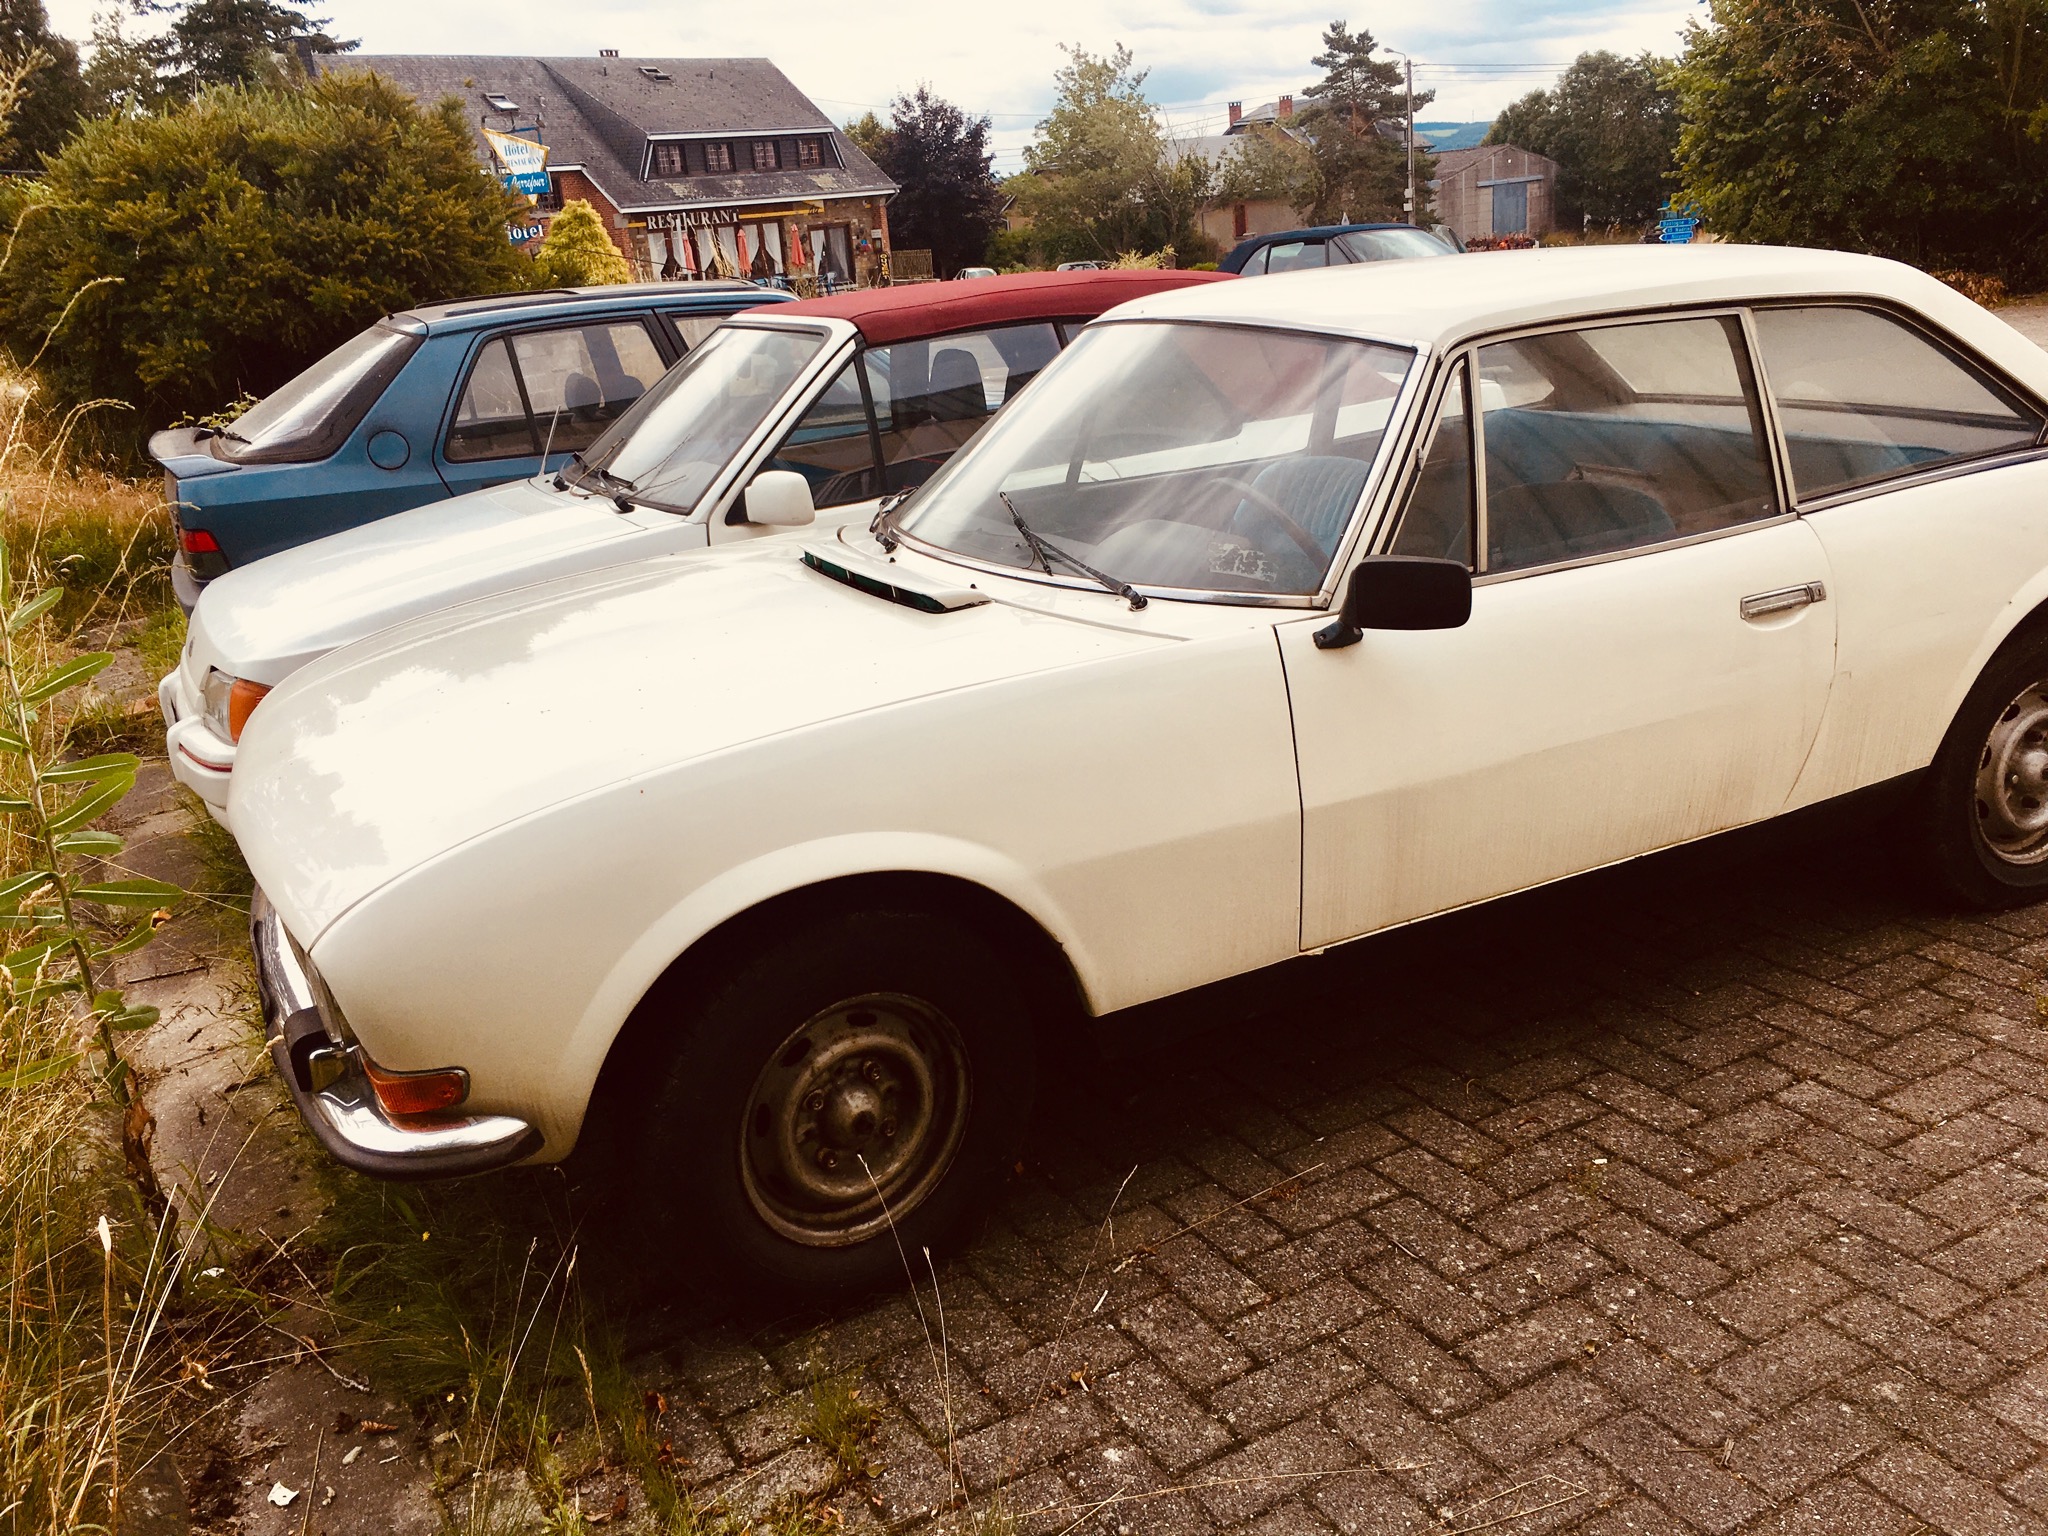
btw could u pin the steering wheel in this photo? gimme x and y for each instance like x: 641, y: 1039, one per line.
x: 1303, y: 540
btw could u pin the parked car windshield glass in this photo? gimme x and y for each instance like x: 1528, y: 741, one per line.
x: 313, y: 415
x: 671, y: 445
x: 1390, y: 244
x: 1206, y: 457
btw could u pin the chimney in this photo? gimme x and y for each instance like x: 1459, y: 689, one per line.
x: 607, y: 53
x: 1236, y: 113
x: 1286, y: 108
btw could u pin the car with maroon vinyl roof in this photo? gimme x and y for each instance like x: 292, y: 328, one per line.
x: 791, y: 415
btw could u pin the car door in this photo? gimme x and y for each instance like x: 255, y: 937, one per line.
x: 1650, y: 648
x: 1919, y: 469
x: 533, y: 397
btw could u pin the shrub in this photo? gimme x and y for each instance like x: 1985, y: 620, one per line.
x: 577, y: 253
x: 185, y: 259
x: 1982, y: 288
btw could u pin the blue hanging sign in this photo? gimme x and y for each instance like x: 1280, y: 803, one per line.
x: 523, y: 164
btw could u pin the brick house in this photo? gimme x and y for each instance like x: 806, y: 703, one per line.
x: 1228, y: 223
x: 1496, y: 189
x: 698, y: 167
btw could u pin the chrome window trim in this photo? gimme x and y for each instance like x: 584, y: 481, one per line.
x: 1400, y: 425
x: 1951, y: 469
x: 1468, y: 351
x: 1942, y: 340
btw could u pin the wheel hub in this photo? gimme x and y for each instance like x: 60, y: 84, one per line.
x: 855, y: 1119
x: 2012, y: 780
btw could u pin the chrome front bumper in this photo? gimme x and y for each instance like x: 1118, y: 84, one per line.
x: 325, y: 1077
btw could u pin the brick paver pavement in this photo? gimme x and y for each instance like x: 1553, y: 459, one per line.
x: 1703, y: 1194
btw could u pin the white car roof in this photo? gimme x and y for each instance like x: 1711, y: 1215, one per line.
x: 1438, y: 301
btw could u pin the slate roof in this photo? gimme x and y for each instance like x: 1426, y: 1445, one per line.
x: 598, y: 114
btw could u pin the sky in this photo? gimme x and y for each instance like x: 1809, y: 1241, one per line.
x: 1478, y: 55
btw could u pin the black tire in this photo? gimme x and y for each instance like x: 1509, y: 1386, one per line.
x: 815, y: 1032
x: 1985, y: 808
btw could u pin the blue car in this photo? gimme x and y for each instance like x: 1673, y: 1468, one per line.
x: 426, y: 404
x: 1333, y: 245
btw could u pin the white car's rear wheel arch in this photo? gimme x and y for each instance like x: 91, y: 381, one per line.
x: 1986, y: 803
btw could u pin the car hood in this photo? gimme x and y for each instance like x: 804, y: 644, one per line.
x: 392, y: 752
x: 265, y: 620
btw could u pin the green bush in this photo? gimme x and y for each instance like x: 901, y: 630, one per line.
x: 219, y: 248
x: 577, y: 253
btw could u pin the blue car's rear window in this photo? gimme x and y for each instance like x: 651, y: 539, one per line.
x: 314, y: 414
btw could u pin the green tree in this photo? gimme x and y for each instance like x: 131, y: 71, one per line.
x: 54, y: 95
x: 868, y: 133
x: 1354, y: 125
x: 1097, y: 152
x: 177, y: 261
x: 1911, y: 128
x: 949, y: 202
x: 577, y: 253
x: 1611, y: 124
x: 239, y: 42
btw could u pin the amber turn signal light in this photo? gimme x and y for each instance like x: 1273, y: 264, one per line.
x: 418, y: 1093
x: 242, y: 701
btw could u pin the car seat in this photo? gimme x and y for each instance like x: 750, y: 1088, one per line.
x: 1319, y: 492
x: 1567, y: 519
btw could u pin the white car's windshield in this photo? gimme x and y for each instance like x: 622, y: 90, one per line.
x: 670, y: 446
x: 1207, y: 457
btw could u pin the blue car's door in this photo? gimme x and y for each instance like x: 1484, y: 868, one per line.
x: 530, y: 398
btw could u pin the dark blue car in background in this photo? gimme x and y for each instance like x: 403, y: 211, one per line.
x: 425, y: 404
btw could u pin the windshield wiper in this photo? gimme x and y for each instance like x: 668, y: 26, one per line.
x: 882, y: 525
x: 621, y: 497
x: 1047, y: 552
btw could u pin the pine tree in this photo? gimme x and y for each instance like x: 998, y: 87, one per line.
x: 56, y: 97
x: 239, y: 42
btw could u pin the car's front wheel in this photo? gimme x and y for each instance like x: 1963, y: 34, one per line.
x: 1987, y: 796
x: 838, y: 1099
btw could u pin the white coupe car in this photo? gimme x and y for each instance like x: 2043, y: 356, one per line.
x: 809, y: 417
x: 1274, y: 615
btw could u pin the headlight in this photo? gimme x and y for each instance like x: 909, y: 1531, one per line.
x: 229, y: 702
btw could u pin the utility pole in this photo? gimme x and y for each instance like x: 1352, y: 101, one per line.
x: 1411, y: 136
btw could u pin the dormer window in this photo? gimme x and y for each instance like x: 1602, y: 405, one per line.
x: 655, y: 74
x: 717, y: 158
x: 668, y: 160
x: 500, y: 103
x: 766, y: 157
x: 809, y: 153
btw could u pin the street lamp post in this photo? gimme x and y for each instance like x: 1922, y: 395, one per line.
x: 1408, y: 198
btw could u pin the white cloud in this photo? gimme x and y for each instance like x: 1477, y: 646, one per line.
x: 1477, y: 54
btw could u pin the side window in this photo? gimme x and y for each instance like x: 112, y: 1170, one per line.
x: 830, y: 446
x: 1295, y: 255
x: 691, y: 329
x: 581, y: 379
x: 1862, y: 396
x: 931, y: 396
x: 1437, y: 521
x: 491, y: 422
x: 1618, y: 437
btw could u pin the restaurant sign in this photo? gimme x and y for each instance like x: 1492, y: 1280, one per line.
x: 713, y: 218
x: 523, y: 164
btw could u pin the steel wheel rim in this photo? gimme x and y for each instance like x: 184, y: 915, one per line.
x: 854, y: 1120
x: 2012, y: 780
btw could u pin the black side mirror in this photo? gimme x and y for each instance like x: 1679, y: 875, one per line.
x: 1399, y: 592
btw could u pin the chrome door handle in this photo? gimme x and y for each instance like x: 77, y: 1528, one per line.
x: 1763, y: 604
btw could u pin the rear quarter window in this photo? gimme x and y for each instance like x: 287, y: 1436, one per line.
x: 1863, y: 396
